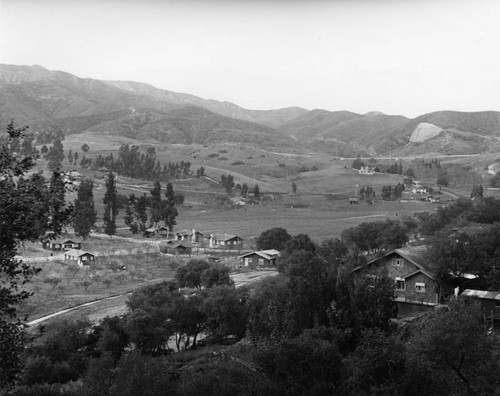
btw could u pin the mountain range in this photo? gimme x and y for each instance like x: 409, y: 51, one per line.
x: 41, y: 98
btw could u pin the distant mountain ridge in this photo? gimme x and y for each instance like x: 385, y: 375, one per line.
x: 41, y: 98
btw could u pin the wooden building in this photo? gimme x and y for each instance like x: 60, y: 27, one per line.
x: 260, y: 259
x: 413, y: 276
x: 80, y: 257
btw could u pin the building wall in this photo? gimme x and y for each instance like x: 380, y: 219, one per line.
x: 401, y: 269
x: 394, y: 271
x: 253, y: 261
x: 429, y: 297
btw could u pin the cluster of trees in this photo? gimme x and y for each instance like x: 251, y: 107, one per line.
x: 135, y: 162
x: 390, y: 193
x: 372, y: 237
x: 160, y: 209
x: 366, y: 193
x: 463, y: 211
x: 30, y: 205
x: 315, y: 328
x: 227, y: 181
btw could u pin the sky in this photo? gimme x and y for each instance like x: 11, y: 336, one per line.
x: 406, y: 57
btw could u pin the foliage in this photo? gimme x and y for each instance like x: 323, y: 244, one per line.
x: 55, y: 155
x: 375, y: 236
x: 267, y: 309
x: 299, y: 242
x: 362, y: 302
x: 301, y: 366
x: 227, y: 182
x: 190, y: 275
x: 170, y: 212
x: 377, y: 365
x: 111, y: 205
x: 216, y: 275
x: 455, y: 343
x: 274, y: 238
x: 85, y: 148
x: 147, y: 322
x: 225, y: 311
x: 85, y: 215
x: 29, y: 206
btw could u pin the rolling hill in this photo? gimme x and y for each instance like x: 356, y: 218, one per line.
x: 45, y: 99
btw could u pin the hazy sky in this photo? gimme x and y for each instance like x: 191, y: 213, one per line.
x: 396, y: 56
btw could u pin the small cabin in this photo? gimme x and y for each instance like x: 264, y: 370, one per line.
x: 61, y: 245
x: 176, y: 247
x: 161, y: 231
x: 260, y: 259
x: 225, y: 241
x: 80, y: 257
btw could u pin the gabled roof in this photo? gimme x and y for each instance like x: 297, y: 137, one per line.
x: 414, y: 254
x: 174, y: 244
x: 224, y: 237
x: 485, y: 295
x: 267, y: 254
x: 77, y: 253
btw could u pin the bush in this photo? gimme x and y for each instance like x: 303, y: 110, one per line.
x: 238, y: 163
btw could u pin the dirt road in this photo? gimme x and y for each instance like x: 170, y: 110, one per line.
x: 116, y: 305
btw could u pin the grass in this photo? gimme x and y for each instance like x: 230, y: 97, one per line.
x: 80, y: 285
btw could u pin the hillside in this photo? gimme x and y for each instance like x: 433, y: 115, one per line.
x: 193, y: 125
x: 271, y: 118
x: 45, y: 99
x: 349, y: 134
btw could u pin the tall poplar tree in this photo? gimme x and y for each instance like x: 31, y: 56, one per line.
x: 170, y: 212
x: 111, y: 205
x: 85, y: 214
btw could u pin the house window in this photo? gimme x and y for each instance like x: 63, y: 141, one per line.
x: 397, y: 262
x: 234, y: 243
x: 261, y: 261
x: 420, y: 287
x: 246, y: 262
x: 400, y: 284
x: 84, y: 258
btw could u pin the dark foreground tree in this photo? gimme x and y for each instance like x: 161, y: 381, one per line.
x: 28, y: 208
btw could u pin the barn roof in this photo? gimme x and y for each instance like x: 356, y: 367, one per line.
x: 483, y: 294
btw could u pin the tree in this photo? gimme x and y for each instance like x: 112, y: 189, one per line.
x: 294, y: 188
x: 55, y: 155
x: 216, y: 275
x: 299, y: 242
x: 170, y: 212
x: 377, y: 365
x: 225, y: 312
x: 256, y: 192
x: 244, y: 190
x: 157, y: 205
x: 85, y: 214
x: 190, y: 275
x: 111, y: 205
x: 301, y: 366
x: 147, y: 323
x: 274, y: 238
x: 27, y: 210
x: 130, y: 219
x: 456, y: 344
x: 85, y: 147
